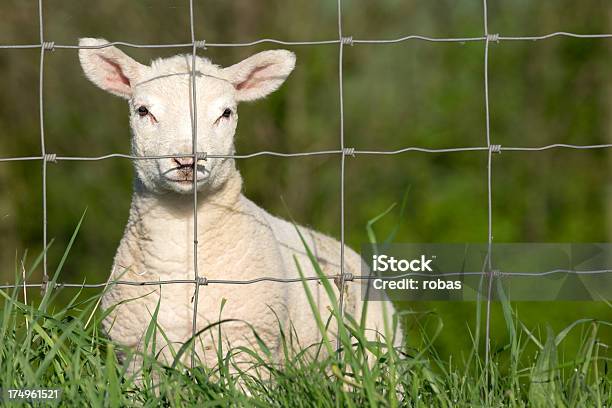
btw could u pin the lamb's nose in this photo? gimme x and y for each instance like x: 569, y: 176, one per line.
x: 184, y: 161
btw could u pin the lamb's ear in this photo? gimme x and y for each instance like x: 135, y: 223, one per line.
x: 260, y: 74
x: 109, y: 68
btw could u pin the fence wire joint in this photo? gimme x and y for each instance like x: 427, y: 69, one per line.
x: 495, y: 148
x: 493, y: 37
x: 349, y: 151
x: 48, y: 46
x: 348, y: 277
x: 50, y: 157
x: 346, y: 41
x: 200, y: 44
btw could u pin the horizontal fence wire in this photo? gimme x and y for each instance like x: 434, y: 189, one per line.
x: 343, y: 151
x: 347, y: 276
x: 347, y: 40
x: 347, y: 152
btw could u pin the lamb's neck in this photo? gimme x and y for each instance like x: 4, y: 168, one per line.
x: 171, y: 207
x: 159, y: 233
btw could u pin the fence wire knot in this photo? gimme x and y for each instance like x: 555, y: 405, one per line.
x: 348, y: 277
x: 200, y: 44
x: 349, y: 151
x: 202, y: 155
x: 493, y: 37
x: 347, y: 41
x: 50, y: 157
x: 48, y: 285
x: 202, y: 281
x: 48, y: 46
x: 495, y: 148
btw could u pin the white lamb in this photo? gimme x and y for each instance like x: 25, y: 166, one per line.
x: 237, y: 239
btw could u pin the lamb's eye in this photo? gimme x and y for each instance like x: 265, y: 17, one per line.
x: 227, y: 112
x: 143, y: 111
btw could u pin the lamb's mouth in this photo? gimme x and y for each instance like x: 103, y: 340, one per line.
x: 184, y: 175
x: 186, y: 179
x: 182, y: 181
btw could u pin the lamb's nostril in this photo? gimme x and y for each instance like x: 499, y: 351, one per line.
x: 183, y: 161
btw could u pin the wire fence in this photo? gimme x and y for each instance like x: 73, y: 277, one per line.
x: 343, y: 151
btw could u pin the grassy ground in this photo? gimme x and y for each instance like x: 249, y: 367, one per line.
x: 63, y: 347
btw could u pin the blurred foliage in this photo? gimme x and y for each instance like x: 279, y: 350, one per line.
x: 408, y: 94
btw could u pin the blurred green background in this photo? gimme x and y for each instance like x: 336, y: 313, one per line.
x: 408, y: 94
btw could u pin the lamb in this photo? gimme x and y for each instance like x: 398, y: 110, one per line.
x: 237, y: 239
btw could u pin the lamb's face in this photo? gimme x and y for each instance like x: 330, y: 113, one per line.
x: 161, y: 109
x: 161, y: 122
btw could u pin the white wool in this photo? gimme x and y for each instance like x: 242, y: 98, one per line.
x: 237, y: 240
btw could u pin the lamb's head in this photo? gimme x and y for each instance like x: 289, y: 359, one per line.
x: 160, y: 107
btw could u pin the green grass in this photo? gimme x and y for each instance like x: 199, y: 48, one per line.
x: 44, y: 345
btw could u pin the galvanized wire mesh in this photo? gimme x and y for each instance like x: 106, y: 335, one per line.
x: 343, y: 152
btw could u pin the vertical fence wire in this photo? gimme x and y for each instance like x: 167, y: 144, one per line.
x: 43, y: 151
x: 194, y: 140
x: 341, y: 277
x: 489, y: 270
